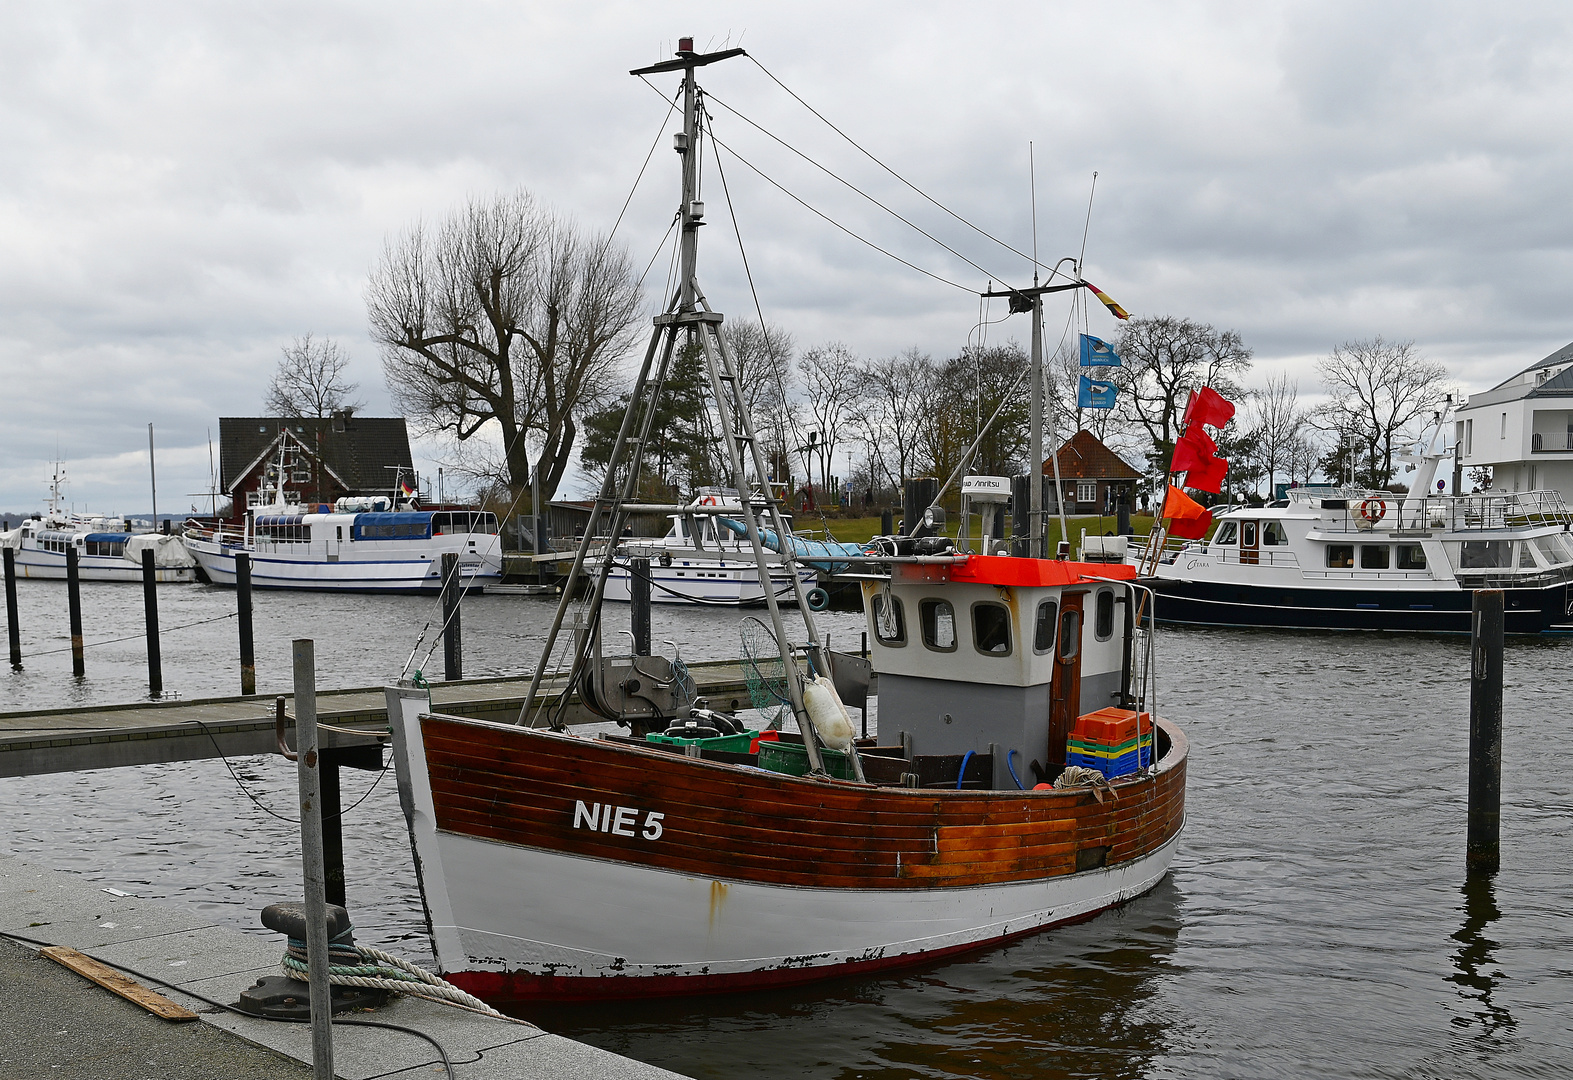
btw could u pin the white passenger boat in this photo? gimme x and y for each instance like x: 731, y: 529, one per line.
x: 703, y: 561
x: 361, y: 545
x: 1352, y: 559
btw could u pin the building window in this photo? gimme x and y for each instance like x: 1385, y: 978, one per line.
x: 991, y: 628
x: 939, y: 625
x: 1043, y: 629
x: 1087, y: 491
x: 1503, y: 433
x: 1469, y: 437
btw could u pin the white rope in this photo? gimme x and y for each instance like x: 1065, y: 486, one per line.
x: 416, y: 981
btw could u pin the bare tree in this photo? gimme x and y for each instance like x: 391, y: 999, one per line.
x: 831, y: 384
x: 1279, y: 422
x: 505, y: 314
x: 310, y: 380
x: 1165, y: 358
x: 1378, y: 387
x: 896, y: 391
x: 764, y: 362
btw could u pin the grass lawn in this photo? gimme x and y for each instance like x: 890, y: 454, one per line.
x: 861, y: 530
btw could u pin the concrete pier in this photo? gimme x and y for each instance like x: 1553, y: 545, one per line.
x: 59, y: 1024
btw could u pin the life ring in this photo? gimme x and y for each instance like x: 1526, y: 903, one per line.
x: 818, y: 599
x: 709, y: 500
x: 1373, y: 510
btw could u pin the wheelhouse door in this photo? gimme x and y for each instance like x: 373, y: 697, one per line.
x: 1065, y: 683
x: 1250, y: 542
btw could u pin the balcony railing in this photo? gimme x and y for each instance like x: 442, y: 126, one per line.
x: 1554, y: 442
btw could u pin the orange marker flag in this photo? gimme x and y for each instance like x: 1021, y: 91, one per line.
x: 1191, y: 519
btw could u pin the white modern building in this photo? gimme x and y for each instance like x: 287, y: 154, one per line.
x: 1523, y: 428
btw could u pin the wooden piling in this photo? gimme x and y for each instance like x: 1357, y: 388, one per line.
x: 13, y: 618
x: 74, y: 604
x: 308, y: 776
x: 155, y: 661
x: 248, y: 658
x: 639, y: 604
x: 452, y: 636
x: 1483, y: 851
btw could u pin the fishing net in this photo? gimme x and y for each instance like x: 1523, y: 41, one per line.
x: 765, y: 673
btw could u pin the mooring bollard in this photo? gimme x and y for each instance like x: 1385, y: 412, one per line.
x: 248, y: 659
x: 452, y: 633
x: 1484, y: 852
x: 639, y: 604
x: 306, y: 772
x: 74, y: 604
x: 155, y: 662
x: 13, y: 618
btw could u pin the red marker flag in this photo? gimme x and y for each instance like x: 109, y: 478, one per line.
x: 1193, y: 451
x: 1208, y: 476
x: 1190, y: 520
x: 1108, y: 301
x: 1207, y: 406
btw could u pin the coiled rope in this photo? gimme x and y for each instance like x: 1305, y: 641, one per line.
x: 360, y: 965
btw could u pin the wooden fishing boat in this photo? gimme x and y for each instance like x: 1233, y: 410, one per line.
x: 1020, y: 778
x: 559, y: 867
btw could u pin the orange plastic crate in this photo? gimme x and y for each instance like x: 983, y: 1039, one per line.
x: 1111, y: 726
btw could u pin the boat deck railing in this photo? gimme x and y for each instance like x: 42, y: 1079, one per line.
x: 1362, y: 511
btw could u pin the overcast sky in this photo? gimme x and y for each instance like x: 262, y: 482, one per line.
x: 186, y: 187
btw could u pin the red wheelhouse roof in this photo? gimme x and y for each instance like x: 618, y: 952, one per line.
x: 1008, y: 571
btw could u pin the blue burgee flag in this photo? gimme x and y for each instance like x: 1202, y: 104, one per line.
x: 1093, y: 394
x: 1095, y: 352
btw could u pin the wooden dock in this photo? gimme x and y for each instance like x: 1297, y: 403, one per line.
x: 38, y: 741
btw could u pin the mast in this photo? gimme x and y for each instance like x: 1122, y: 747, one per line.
x: 689, y: 321
x: 152, y: 475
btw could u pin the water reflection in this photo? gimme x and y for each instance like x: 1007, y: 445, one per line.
x: 1072, y: 1002
x: 1477, y: 973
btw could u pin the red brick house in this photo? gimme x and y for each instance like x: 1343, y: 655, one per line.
x: 324, y: 458
x: 1094, y: 477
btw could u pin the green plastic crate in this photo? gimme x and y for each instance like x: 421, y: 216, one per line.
x: 791, y: 758
x: 732, y: 744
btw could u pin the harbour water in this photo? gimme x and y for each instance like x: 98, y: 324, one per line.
x: 1317, y: 922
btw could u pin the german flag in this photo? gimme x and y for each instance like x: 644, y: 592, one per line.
x: 1108, y: 301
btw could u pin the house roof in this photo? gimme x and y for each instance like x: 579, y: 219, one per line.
x: 1085, y: 457
x: 1516, y: 386
x: 360, y: 451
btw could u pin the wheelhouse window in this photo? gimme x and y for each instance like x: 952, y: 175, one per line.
x: 890, y: 626
x: 1526, y: 557
x: 1226, y: 533
x: 1273, y: 534
x: 1070, y: 633
x: 1248, y: 534
x: 1485, y: 554
x: 1103, y: 615
x: 1043, y: 627
x: 1550, y: 550
x: 939, y: 625
x: 991, y: 628
x: 1341, y: 556
x: 1374, y: 556
x: 1411, y: 557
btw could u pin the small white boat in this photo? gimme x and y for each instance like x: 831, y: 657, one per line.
x: 107, y: 549
x: 702, y: 561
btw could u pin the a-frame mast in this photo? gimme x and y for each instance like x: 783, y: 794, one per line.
x: 688, y: 316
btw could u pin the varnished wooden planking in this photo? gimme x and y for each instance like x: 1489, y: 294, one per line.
x: 520, y: 787
x: 115, y: 982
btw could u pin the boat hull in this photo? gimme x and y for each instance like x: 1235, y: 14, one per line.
x: 734, y: 583
x: 420, y: 573
x: 1418, y: 610
x: 711, y: 877
x: 49, y: 566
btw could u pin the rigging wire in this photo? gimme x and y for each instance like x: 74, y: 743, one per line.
x: 819, y: 213
x: 660, y: 130
x: 849, y: 185
x: 1053, y: 271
